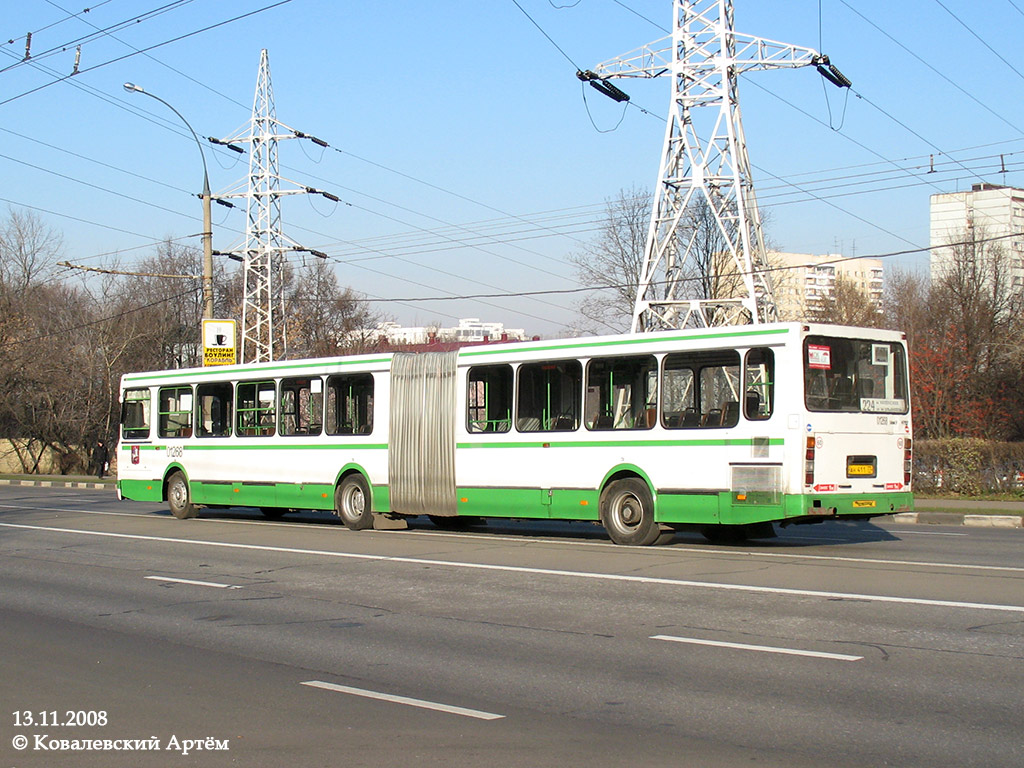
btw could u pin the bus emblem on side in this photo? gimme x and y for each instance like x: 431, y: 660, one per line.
x: 135, y: 454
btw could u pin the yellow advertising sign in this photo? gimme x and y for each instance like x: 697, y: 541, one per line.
x: 218, y: 342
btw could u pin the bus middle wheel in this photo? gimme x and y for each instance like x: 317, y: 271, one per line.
x: 352, y: 503
x: 627, y: 512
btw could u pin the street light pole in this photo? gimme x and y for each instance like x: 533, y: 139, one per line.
x: 207, y: 217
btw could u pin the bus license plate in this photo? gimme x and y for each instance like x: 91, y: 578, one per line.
x: 861, y: 466
x: 862, y: 503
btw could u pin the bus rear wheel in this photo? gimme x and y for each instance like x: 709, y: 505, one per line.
x: 179, y: 499
x: 627, y: 513
x: 352, y: 503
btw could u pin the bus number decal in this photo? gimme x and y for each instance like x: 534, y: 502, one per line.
x: 175, y: 451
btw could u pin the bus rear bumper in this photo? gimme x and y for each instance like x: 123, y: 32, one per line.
x: 850, y: 505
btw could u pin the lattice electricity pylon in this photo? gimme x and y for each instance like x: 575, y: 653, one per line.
x: 264, y: 335
x: 703, y: 56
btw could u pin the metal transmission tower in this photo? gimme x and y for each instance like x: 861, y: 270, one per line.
x: 703, y: 56
x: 263, y: 256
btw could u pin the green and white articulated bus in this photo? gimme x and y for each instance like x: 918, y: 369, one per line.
x: 726, y: 430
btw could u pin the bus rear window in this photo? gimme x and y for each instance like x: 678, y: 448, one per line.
x: 854, y: 375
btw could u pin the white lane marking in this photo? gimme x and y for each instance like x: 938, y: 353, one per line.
x: 538, y: 571
x: 928, y: 533
x: 745, y: 553
x: 476, y: 713
x: 194, y: 583
x: 761, y: 648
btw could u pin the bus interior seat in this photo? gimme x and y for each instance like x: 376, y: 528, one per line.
x: 866, y: 388
x: 712, y: 418
x: 752, y: 403
x: 842, y: 392
x: 731, y: 414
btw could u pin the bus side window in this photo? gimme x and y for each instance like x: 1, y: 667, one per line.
x: 255, y: 408
x: 350, y: 404
x: 489, y: 399
x: 301, y: 405
x: 213, y: 416
x: 549, y: 396
x: 700, y: 390
x: 678, y: 409
x: 175, y: 412
x: 135, y: 414
x: 759, y: 384
x: 622, y: 393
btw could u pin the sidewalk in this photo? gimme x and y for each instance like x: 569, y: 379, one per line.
x: 978, y: 514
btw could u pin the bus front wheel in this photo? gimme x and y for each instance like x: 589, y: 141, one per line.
x: 627, y: 513
x: 179, y: 499
x: 352, y: 503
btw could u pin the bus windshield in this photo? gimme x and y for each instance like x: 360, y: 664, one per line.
x: 854, y: 375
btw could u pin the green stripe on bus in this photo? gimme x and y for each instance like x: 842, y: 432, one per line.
x: 205, y: 446
x: 702, y: 442
x: 639, y: 339
x: 322, y: 366
x: 694, y: 442
x: 284, y: 447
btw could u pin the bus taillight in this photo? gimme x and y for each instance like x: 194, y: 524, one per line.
x: 809, y: 462
x: 908, y: 461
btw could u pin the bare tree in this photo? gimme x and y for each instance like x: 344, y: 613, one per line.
x: 611, y: 263
x: 976, y: 295
x: 29, y: 250
x: 906, y: 303
x: 847, y: 304
x: 325, y: 319
x: 965, y: 372
x: 709, y: 267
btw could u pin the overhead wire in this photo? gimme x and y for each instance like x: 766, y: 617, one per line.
x: 769, y: 269
x: 144, y: 50
x: 99, y: 33
x: 812, y: 197
x: 609, y: 286
x: 934, y: 69
x: 58, y: 22
x: 163, y: 64
x: 980, y: 39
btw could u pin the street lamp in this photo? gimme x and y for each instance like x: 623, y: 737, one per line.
x: 207, y: 218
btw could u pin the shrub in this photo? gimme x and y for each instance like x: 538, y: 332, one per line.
x: 968, y: 466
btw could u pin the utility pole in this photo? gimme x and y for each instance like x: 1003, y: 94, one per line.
x: 704, y: 154
x: 206, y: 197
x: 264, y: 335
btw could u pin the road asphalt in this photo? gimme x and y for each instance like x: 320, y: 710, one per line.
x: 934, y: 511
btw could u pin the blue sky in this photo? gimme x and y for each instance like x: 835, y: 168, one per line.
x: 468, y: 157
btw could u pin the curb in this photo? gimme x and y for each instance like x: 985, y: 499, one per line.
x: 58, y: 484
x: 955, y: 518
